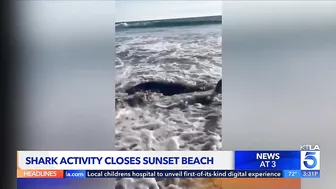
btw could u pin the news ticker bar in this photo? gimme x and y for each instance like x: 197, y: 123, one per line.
x: 80, y: 174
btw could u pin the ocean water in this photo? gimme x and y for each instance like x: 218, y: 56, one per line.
x: 190, y: 54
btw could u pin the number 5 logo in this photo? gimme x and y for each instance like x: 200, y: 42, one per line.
x: 310, y: 157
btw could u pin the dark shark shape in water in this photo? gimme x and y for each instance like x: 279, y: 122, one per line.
x: 169, y: 88
x: 138, y: 94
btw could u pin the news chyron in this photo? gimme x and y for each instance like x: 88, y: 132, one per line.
x: 310, y: 161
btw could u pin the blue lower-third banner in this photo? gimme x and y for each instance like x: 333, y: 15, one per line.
x: 172, y: 174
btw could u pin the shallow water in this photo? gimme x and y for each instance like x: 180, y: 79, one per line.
x: 145, y: 121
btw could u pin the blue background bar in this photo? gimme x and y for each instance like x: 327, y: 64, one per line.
x: 247, y: 160
x: 292, y: 174
x: 75, y: 174
x: 310, y: 174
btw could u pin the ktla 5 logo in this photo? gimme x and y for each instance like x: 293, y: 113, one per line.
x: 310, y: 160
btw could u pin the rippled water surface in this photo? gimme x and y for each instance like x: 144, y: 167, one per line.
x: 151, y: 121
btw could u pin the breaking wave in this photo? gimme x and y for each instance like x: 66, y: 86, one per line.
x: 170, y: 22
